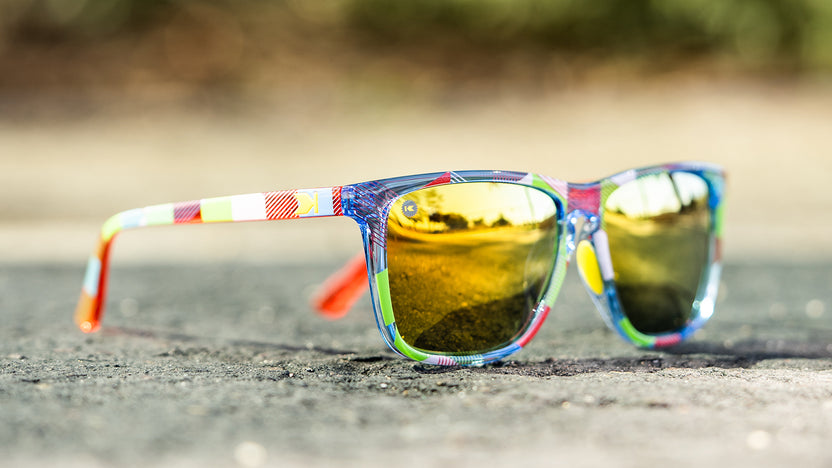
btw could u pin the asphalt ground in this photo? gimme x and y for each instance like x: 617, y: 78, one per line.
x: 226, y: 365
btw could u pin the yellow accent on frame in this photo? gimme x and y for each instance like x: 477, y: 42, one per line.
x: 588, y: 264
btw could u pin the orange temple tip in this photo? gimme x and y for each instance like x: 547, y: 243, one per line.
x: 341, y: 290
x: 88, y: 327
x: 85, y: 314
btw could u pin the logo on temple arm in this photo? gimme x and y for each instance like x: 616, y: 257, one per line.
x: 307, y: 204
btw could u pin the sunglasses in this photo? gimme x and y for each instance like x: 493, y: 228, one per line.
x: 464, y: 266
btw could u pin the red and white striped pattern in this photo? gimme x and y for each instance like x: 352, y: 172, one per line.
x: 281, y: 205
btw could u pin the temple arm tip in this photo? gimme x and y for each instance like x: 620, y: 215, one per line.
x: 342, y: 289
x: 88, y: 326
x: 90, y: 306
x: 88, y: 313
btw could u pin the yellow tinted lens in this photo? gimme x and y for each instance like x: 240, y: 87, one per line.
x: 659, y: 232
x: 468, y: 262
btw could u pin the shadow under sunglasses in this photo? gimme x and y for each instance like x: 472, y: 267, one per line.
x: 694, y: 355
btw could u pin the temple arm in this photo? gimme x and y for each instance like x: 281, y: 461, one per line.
x: 287, y: 204
x: 340, y: 291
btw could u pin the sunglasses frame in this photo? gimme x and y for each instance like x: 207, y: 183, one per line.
x: 369, y: 204
x: 580, y: 218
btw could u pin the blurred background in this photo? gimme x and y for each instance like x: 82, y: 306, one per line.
x: 111, y: 105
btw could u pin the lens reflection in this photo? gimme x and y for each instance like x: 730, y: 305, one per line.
x: 658, y: 228
x: 468, y: 262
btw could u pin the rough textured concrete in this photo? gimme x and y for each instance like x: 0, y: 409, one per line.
x: 227, y: 366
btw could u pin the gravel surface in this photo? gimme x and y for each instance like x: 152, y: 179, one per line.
x: 225, y: 365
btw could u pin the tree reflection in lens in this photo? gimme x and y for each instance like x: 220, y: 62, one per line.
x: 468, y: 262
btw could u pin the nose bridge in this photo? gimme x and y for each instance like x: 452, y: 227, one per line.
x: 583, y: 213
x: 580, y: 225
x: 584, y: 197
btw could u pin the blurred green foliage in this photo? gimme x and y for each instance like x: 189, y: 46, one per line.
x: 789, y: 34
x: 73, y: 20
x: 779, y: 33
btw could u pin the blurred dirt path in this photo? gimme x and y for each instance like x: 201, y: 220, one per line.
x: 60, y: 178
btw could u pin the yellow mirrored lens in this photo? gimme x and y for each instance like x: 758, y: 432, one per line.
x: 659, y: 230
x: 468, y: 262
